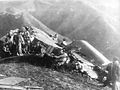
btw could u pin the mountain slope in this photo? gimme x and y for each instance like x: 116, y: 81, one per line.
x: 75, y: 19
x: 9, y: 22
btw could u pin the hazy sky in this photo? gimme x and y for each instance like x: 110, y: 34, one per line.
x: 109, y: 8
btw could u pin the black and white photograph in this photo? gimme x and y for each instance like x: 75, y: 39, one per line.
x: 59, y: 44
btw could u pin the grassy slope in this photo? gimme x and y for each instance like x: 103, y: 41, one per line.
x: 42, y: 76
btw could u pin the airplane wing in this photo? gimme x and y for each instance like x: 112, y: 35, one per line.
x: 42, y: 36
x: 83, y: 60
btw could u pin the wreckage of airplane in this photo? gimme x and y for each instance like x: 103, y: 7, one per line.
x: 33, y: 41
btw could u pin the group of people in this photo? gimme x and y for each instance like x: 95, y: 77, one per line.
x: 20, y: 42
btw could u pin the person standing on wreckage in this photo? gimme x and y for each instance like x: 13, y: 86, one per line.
x: 21, y: 42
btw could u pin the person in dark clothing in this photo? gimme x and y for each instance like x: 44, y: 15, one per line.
x: 114, y: 74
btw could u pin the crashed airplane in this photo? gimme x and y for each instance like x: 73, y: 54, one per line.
x: 33, y: 41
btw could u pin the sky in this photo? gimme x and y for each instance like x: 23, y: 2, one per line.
x: 109, y: 8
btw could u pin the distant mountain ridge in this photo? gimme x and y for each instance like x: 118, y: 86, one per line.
x: 75, y: 20
x: 9, y: 22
